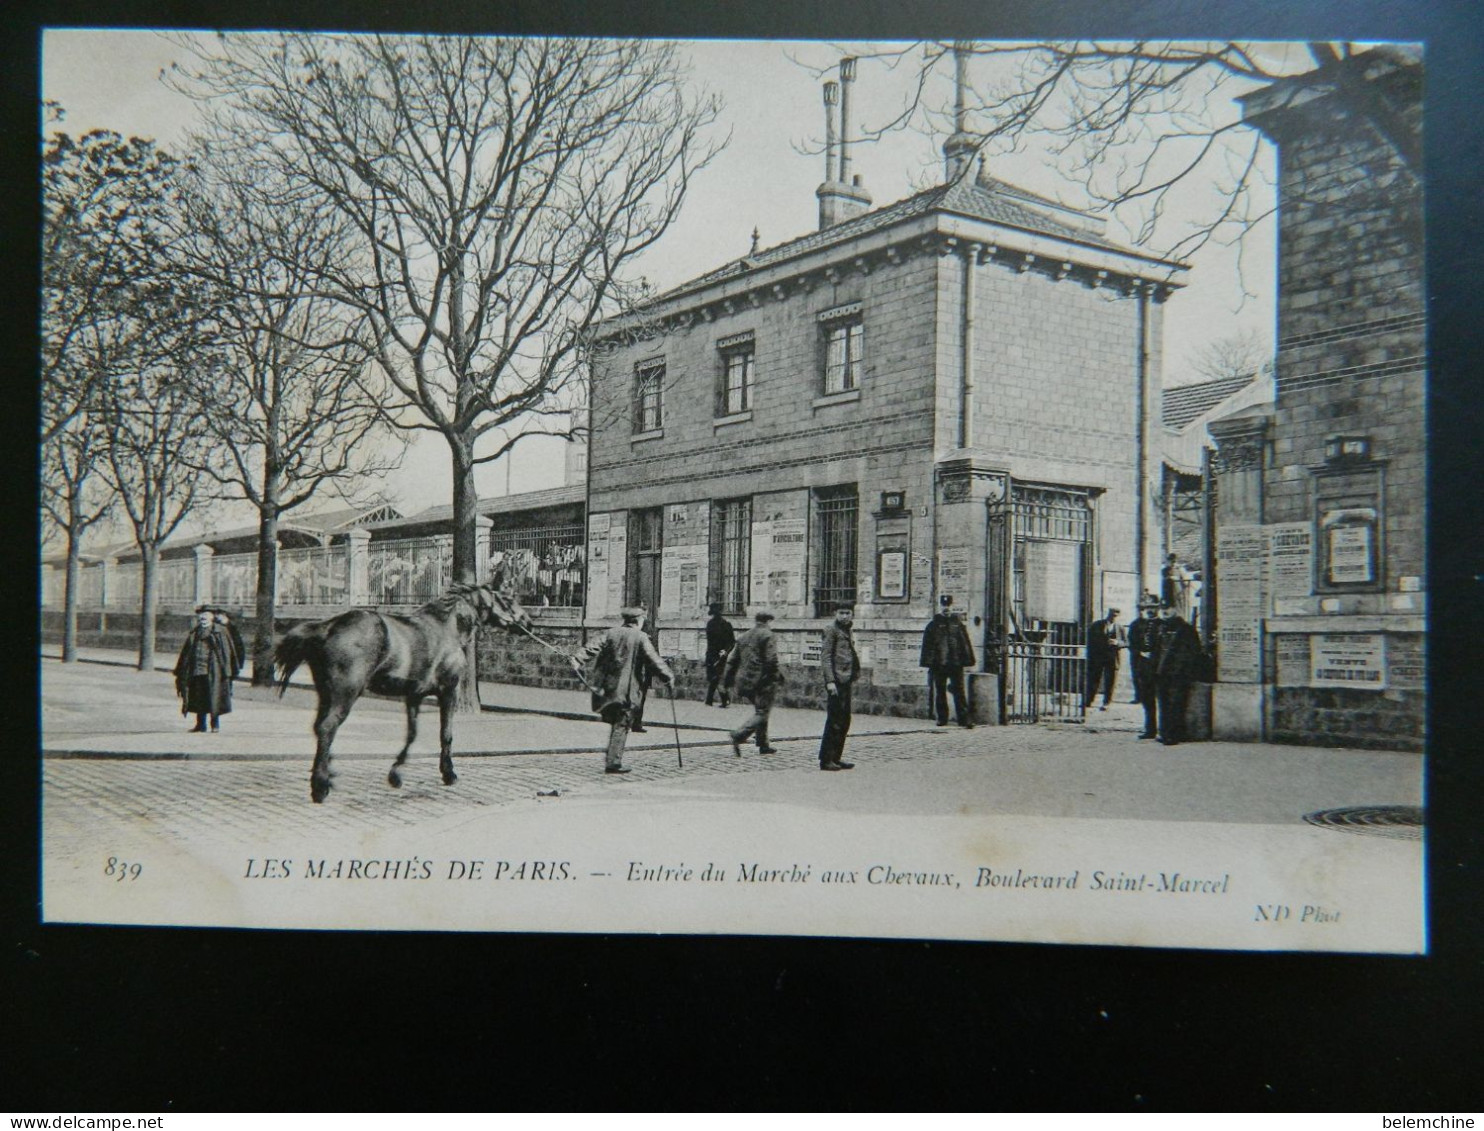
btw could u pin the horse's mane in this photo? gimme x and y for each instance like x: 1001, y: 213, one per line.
x: 455, y: 595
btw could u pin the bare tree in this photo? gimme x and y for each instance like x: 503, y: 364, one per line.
x: 157, y: 440
x: 1237, y: 355
x: 100, y: 194
x: 102, y: 198
x: 74, y: 499
x: 1150, y: 132
x: 499, y: 190
x: 291, y: 407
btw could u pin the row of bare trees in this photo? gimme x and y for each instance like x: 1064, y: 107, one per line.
x: 367, y: 236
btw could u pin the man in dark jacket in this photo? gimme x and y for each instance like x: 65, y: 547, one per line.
x: 754, y: 670
x: 623, y: 663
x: 720, y: 640
x: 1104, y: 639
x: 1177, y: 658
x: 840, y: 666
x: 946, y: 652
x: 203, y: 672
x: 1142, y: 636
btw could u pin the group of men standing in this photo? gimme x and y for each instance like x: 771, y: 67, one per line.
x: 625, y: 662
x: 1165, y: 656
x: 1164, y: 650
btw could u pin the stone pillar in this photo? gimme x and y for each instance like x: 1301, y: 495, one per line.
x: 483, y: 524
x: 359, y: 569
x: 204, y: 555
x: 106, y: 595
x: 1238, y: 697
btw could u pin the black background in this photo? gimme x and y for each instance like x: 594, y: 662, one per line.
x: 124, y: 1019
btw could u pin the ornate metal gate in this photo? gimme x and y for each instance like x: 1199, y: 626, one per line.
x: 1038, y: 576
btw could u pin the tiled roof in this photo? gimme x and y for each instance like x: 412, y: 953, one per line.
x: 979, y: 197
x: 1184, y: 403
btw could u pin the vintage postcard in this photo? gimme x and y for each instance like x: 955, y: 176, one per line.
x: 950, y: 490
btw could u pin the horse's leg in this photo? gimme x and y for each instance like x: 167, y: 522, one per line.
x: 446, y: 701
x: 413, y: 703
x: 332, y: 712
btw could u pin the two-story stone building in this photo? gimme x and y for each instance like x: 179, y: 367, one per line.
x: 952, y: 394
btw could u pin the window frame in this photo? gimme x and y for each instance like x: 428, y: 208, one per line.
x: 649, y: 373
x: 740, y: 586
x: 849, y: 322
x: 741, y: 347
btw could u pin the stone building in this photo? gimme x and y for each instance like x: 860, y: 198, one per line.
x: 956, y: 393
x: 1320, y: 501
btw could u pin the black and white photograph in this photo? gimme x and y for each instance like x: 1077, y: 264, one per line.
x: 959, y: 489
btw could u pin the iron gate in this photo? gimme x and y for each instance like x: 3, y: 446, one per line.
x: 1039, y: 574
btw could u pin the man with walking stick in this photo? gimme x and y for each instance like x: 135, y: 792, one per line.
x: 623, y: 663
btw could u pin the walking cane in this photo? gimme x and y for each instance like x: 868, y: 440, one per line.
x: 679, y: 761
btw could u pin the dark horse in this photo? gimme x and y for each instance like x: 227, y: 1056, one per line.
x: 410, y: 657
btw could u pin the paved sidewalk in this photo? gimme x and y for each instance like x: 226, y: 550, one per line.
x: 516, y: 718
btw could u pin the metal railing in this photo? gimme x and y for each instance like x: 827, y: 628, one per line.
x: 318, y: 575
x: 544, y: 564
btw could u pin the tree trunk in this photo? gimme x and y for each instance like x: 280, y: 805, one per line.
x: 465, y: 556
x: 267, y: 591
x: 69, y: 599
x: 149, y: 560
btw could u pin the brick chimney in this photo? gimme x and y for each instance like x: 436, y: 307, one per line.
x: 840, y: 196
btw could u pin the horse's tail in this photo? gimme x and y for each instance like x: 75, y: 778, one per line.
x: 301, y: 643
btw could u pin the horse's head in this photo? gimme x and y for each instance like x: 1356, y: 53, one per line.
x: 498, y: 607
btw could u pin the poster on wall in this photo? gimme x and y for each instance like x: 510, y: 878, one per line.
x: 597, y: 565
x: 892, y: 569
x: 953, y: 572
x: 1239, y: 568
x: 785, y: 584
x: 1121, y: 592
x: 1290, y: 560
x: 1348, y: 659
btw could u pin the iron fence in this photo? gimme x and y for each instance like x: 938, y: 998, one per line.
x: 543, y: 563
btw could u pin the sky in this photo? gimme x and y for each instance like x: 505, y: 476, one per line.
x: 763, y: 179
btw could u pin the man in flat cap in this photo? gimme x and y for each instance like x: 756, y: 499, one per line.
x: 623, y: 662
x: 946, y: 652
x: 753, y: 668
x: 840, y: 665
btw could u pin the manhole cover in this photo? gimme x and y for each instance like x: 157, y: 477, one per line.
x: 1402, y: 822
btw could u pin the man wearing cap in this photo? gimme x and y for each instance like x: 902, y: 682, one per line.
x: 1177, y: 656
x: 754, y: 669
x: 720, y: 640
x: 1104, y: 638
x: 1141, y: 641
x: 840, y: 666
x: 623, y: 664
x: 946, y: 652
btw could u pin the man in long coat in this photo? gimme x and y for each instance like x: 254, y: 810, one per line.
x: 720, y: 640
x: 840, y: 665
x: 623, y: 664
x: 1142, y: 637
x: 1177, y: 658
x: 1104, y: 639
x: 946, y: 652
x: 754, y: 670
x: 203, y: 672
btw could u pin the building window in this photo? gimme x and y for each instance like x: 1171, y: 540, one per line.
x: 736, y: 380
x: 649, y: 390
x: 836, y: 510
x: 844, y: 339
x: 731, y: 554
